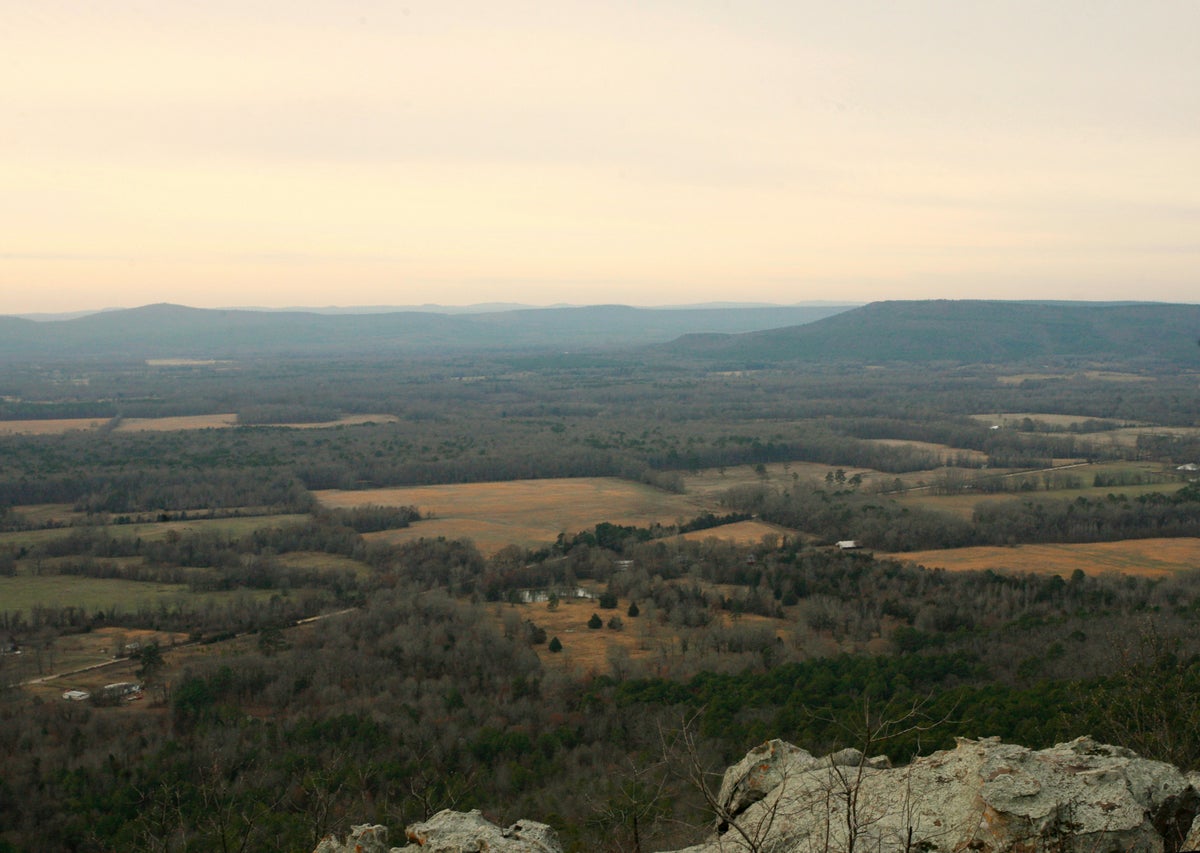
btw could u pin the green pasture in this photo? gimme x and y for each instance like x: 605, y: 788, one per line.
x: 23, y: 592
x: 963, y: 504
x: 154, y: 530
x: 322, y: 562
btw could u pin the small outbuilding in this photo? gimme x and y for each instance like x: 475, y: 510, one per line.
x: 848, y: 544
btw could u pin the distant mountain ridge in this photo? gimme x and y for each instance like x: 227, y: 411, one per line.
x: 174, y: 331
x: 965, y: 332
x: 943, y: 331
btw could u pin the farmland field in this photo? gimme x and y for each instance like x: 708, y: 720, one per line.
x: 708, y: 483
x: 50, y: 427
x: 964, y: 503
x: 1015, y: 418
x: 521, y: 512
x: 944, y: 451
x: 177, y: 423
x: 226, y: 420
x: 22, y: 592
x: 321, y: 562
x: 740, y: 532
x: 238, y: 526
x: 587, y: 650
x: 1145, y: 557
x: 1128, y: 436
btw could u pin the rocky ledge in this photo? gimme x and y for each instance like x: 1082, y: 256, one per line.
x: 983, y: 795
x: 451, y: 832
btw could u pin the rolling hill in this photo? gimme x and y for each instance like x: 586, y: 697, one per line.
x: 965, y: 332
x: 175, y: 331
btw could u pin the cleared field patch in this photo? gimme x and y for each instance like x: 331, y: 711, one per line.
x: 1016, y: 419
x: 22, y: 592
x: 583, y: 649
x: 184, y: 362
x: 1105, y: 375
x: 641, y: 639
x: 225, y: 420
x: 312, y: 560
x: 740, y: 532
x: 49, y: 515
x: 1143, y: 557
x: 1018, y: 378
x: 521, y: 512
x: 964, y: 503
x: 56, y: 426
x: 1115, y: 376
x: 152, y: 530
x: 1128, y: 436
x: 221, y: 421
x: 709, y: 483
x: 944, y: 452
x: 348, y: 420
x: 95, y: 649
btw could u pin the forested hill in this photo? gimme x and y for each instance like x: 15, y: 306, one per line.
x: 970, y: 332
x: 174, y: 331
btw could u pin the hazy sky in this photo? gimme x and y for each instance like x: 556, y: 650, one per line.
x: 353, y: 152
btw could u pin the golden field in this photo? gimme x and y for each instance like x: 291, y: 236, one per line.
x: 521, y: 512
x: 226, y: 420
x: 1144, y: 557
x: 739, y: 533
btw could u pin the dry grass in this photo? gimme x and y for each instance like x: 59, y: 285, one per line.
x: 48, y: 515
x: 944, y: 451
x: 740, y: 533
x: 587, y: 650
x: 709, y: 483
x: 1106, y: 375
x: 1144, y: 557
x: 22, y: 592
x: 584, y: 649
x: 1018, y: 378
x: 239, y: 526
x: 1014, y: 419
x: 51, y: 427
x: 223, y: 421
x: 963, y: 505
x: 348, y: 420
x: 184, y: 362
x: 1128, y: 436
x: 1114, y: 376
x: 320, y: 562
x: 521, y: 512
x: 218, y: 421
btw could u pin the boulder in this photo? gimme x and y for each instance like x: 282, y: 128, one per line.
x: 762, y: 770
x: 470, y: 832
x: 983, y: 795
x: 363, y: 838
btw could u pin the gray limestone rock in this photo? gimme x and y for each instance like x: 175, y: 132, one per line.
x: 764, y: 769
x: 986, y: 796
x: 470, y: 832
x: 363, y: 838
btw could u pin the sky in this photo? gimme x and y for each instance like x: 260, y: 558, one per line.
x: 361, y: 152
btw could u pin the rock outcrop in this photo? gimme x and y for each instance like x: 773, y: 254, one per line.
x: 451, y: 832
x: 982, y: 796
x: 363, y: 838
